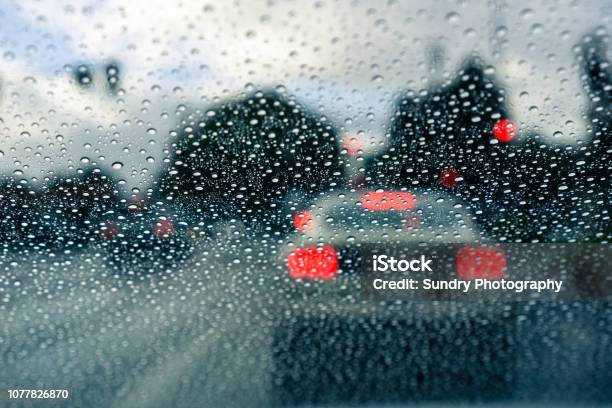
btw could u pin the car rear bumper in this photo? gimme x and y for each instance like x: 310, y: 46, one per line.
x: 360, y: 359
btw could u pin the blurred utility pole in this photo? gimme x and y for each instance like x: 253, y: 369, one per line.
x: 497, y: 28
x: 435, y: 61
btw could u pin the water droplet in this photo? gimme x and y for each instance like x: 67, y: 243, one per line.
x: 526, y: 13
x: 453, y: 17
x: 501, y: 31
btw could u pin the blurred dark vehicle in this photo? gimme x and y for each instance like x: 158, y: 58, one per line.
x: 241, y: 158
x: 333, y: 346
x: 73, y: 206
x: 145, y: 238
x: 331, y: 230
x: 18, y: 203
x: 64, y: 213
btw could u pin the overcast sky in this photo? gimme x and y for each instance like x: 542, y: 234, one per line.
x: 347, y: 59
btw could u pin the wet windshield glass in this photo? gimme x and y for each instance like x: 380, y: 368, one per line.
x: 292, y: 203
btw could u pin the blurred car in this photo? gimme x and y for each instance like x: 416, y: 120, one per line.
x: 322, y: 293
x: 336, y: 226
x: 326, y: 293
x: 242, y: 157
x: 63, y: 214
x: 148, y: 238
x: 73, y: 206
x: 18, y: 204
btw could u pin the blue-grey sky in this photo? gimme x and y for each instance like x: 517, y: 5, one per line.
x: 348, y: 59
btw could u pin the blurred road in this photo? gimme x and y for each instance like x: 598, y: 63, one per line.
x: 67, y: 323
x: 202, y: 334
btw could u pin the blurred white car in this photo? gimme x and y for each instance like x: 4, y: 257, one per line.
x: 321, y: 293
x: 326, y: 255
x: 340, y: 223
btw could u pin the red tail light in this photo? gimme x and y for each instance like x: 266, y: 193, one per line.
x: 504, y: 130
x: 353, y: 145
x: 388, y: 200
x: 480, y: 263
x: 303, y: 220
x: 163, y: 228
x: 109, y: 231
x: 313, y: 262
x: 448, y: 177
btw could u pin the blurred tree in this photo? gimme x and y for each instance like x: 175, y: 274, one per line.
x: 242, y: 156
x: 460, y: 138
x: 442, y: 137
x: 584, y: 203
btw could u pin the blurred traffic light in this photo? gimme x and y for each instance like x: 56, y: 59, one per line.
x: 460, y: 137
x: 449, y: 127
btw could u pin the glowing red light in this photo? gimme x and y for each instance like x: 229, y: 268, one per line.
x: 352, y: 145
x: 313, y: 263
x: 480, y: 263
x: 448, y: 177
x: 388, y: 200
x: 504, y: 130
x: 303, y: 220
x: 163, y: 228
x: 109, y: 231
